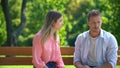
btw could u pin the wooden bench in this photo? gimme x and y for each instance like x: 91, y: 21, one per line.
x: 23, y: 55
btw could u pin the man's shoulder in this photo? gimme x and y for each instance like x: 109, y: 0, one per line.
x: 107, y: 34
x: 83, y: 34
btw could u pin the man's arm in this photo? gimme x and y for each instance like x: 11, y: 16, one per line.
x: 106, y: 65
x: 77, y: 57
x: 111, y: 54
x: 79, y: 65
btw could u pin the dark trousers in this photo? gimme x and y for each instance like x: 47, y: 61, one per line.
x: 92, y: 66
x: 50, y: 65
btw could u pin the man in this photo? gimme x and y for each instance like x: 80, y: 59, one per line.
x: 95, y: 48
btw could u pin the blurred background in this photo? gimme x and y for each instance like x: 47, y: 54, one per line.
x: 20, y: 20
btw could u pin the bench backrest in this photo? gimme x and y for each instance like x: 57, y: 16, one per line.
x: 23, y: 55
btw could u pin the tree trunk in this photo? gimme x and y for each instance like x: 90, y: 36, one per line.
x: 12, y: 35
x: 9, y: 26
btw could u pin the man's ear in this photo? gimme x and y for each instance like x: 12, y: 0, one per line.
x: 88, y: 23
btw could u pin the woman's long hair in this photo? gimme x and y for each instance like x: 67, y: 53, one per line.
x: 51, y: 18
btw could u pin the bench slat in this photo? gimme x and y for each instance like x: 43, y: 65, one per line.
x: 118, y: 61
x: 15, y: 51
x: 28, y: 50
x: 28, y: 61
x: 67, y: 50
x: 16, y: 61
x: 119, y: 51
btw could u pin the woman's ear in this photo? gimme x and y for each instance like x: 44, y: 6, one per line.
x: 53, y: 24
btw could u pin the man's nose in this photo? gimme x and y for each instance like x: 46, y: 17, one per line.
x: 96, y: 25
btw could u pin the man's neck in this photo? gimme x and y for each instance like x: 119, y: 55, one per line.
x: 94, y: 34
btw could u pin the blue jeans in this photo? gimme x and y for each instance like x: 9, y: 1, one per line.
x: 51, y: 65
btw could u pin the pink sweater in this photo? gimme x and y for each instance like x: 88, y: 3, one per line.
x: 50, y: 52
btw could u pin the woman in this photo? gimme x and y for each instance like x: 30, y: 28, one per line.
x: 46, y: 44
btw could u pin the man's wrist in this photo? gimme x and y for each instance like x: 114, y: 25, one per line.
x: 78, y: 64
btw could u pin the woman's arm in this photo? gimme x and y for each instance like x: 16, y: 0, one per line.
x: 60, y: 63
x: 37, y: 52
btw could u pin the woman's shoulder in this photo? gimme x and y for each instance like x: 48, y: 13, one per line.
x: 37, y: 35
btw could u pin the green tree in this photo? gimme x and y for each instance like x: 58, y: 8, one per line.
x: 74, y: 16
x: 36, y: 11
x: 12, y: 34
x: 115, y: 18
x: 77, y: 14
x: 2, y: 28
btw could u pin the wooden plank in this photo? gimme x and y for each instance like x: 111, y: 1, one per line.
x: 68, y: 60
x: 118, y: 61
x: 67, y: 50
x: 15, y: 51
x: 28, y: 50
x: 16, y: 61
x: 28, y: 61
x: 119, y: 51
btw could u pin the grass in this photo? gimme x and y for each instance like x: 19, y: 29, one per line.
x: 30, y: 66
x: 17, y: 66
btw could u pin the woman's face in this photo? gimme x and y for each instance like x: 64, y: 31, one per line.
x: 58, y: 24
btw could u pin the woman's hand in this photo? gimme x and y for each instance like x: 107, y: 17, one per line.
x: 45, y: 66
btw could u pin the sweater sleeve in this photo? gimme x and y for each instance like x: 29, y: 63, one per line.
x: 60, y: 63
x: 37, y: 53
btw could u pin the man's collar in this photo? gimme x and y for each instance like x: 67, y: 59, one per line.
x: 101, y: 34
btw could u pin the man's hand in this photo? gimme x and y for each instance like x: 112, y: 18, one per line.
x: 83, y: 66
x: 106, y: 65
x: 79, y: 65
x: 86, y: 66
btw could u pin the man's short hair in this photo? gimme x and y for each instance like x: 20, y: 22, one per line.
x: 93, y: 13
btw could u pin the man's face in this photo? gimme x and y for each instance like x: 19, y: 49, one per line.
x: 94, y: 23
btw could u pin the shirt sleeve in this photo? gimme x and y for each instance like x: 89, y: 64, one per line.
x: 37, y: 52
x: 59, y: 62
x: 112, y: 51
x: 77, y: 50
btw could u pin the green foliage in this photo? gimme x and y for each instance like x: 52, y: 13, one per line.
x: 3, y: 34
x: 115, y: 18
x: 78, y: 15
x: 15, y: 11
x: 35, y: 13
x: 74, y: 17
